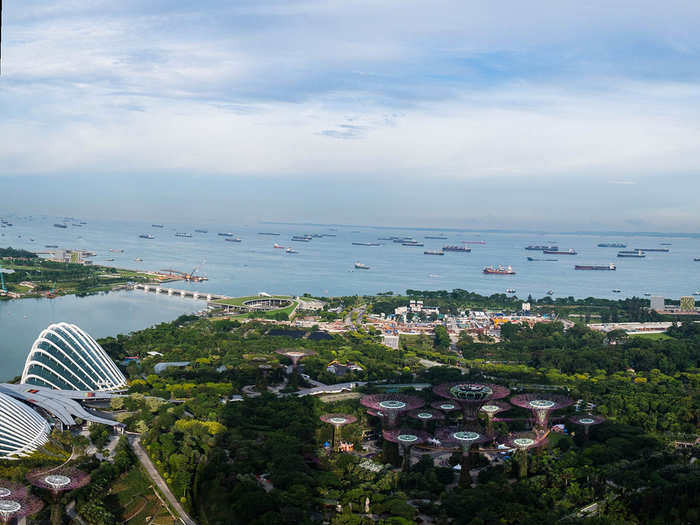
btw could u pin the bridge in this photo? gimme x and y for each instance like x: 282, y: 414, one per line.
x: 156, y: 288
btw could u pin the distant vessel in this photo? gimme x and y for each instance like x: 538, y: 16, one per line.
x: 77, y: 224
x: 665, y: 243
x: 233, y: 239
x: 138, y: 259
x: 697, y: 259
x: 109, y: 260
x: 616, y: 290
x: 267, y: 233
x: 299, y: 238
x: 440, y: 237
x: 366, y: 244
x: 434, y: 252
x: 570, y: 251
x: 361, y: 266
x: 611, y: 245
x: 50, y: 245
x: 499, y: 270
x: 664, y: 250
x: 454, y: 248
x: 115, y: 250
x: 146, y: 236
x: 181, y: 234
x: 226, y: 234
x: 632, y: 253
x: 414, y: 243
x: 594, y: 267
x: 550, y: 292
x: 202, y: 231
x: 542, y: 247
x: 510, y: 290
x: 278, y: 246
x: 473, y: 242
x: 60, y: 225
x: 156, y: 225
x: 536, y: 259
x: 289, y: 250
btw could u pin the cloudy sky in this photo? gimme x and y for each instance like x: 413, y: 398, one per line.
x: 444, y: 113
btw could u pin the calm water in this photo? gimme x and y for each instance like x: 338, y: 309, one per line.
x: 325, y: 266
x: 100, y: 315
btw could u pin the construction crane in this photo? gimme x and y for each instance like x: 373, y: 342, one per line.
x: 192, y: 276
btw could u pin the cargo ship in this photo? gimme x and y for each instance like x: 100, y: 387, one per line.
x: 611, y: 245
x: 361, y: 266
x: 156, y: 225
x: 414, y: 243
x: 697, y: 259
x: 298, y: 238
x: 433, y: 252
x: 60, y: 225
x: 146, y: 236
x: 570, y: 251
x: 473, y: 242
x: 50, y: 245
x: 233, y: 239
x: 541, y: 248
x: 401, y: 240
x: 465, y: 249
x: 202, y: 231
x: 181, y: 234
x: 594, y: 267
x: 499, y: 270
x: 366, y: 244
x: 664, y: 250
x: 438, y: 237
x: 537, y: 259
x: 632, y: 253
x: 225, y: 234
x: 267, y: 233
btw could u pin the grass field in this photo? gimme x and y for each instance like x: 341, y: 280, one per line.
x: 654, y: 337
x: 134, y: 501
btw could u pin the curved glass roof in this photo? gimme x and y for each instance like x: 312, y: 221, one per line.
x: 22, y: 430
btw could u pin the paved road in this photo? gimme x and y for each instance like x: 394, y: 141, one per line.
x: 135, y: 442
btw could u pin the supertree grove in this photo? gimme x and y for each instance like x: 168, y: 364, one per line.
x: 586, y: 421
x: 10, y: 489
x: 491, y: 409
x: 391, y: 406
x: 338, y: 421
x: 18, y: 507
x: 405, y: 439
x: 470, y: 396
x: 464, y: 440
x: 541, y: 405
x: 57, y: 481
x: 521, y: 443
x: 426, y: 415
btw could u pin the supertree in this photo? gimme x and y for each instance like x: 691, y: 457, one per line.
x: 465, y: 440
x: 541, y: 405
x: 338, y: 421
x: 18, y: 507
x: 425, y: 415
x: 405, y: 439
x: 295, y: 354
x: 586, y: 421
x: 57, y: 481
x: 10, y: 489
x: 391, y: 406
x: 470, y: 396
x: 521, y: 442
x: 491, y: 409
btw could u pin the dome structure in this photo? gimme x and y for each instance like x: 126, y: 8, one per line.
x: 64, y: 357
x: 22, y: 430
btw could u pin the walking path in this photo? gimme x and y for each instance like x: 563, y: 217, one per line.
x: 135, y: 442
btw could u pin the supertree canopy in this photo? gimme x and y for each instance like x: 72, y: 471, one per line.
x: 295, y: 354
x: 491, y: 408
x: 391, y: 406
x: 62, y: 479
x: 18, y: 507
x: 424, y: 415
x: 541, y: 405
x: 586, y: 421
x: 465, y: 440
x: 338, y: 421
x: 406, y: 439
x: 447, y: 407
x: 10, y: 489
x: 470, y: 396
x: 521, y: 442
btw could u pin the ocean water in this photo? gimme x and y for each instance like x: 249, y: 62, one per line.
x: 325, y: 266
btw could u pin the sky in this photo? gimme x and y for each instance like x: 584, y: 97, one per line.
x: 463, y: 113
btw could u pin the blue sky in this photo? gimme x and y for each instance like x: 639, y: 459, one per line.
x: 586, y: 110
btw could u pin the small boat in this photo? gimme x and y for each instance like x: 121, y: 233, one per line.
x: 202, y: 231
x: 616, y: 290
x: 50, y: 245
x: 361, y: 266
x: 115, y: 250
x: 226, y: 234
x: 697, y: 292
x: 278, y: 246
x: 146, y: 236
x: 60, y: 225
x: 109, y: 260
x: 550, y: 292
x: 138, y: 259
x: 646, y: 294
x: 156, y: 225
x: 181, y: 234
x: 233, y: 239
x: 510, y: 290
x: 290, y: 250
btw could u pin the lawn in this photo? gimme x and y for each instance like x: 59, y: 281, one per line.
x: 136, y: 503
x: 654, y: 337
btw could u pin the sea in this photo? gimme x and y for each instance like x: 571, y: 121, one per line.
x: 325, y: 266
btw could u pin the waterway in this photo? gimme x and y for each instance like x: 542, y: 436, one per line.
x: 100, y: 315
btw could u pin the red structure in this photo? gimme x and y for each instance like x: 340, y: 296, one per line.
x: 338, y: 421
x: 465, y: 440
x: 492, y: 408
x: 541, y: 405
x: 62, y: 479
x: 470, y: 396
x: 391, y: 406
x: 18, y: 507
x: 586, y: 421
x: 405, y: 439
